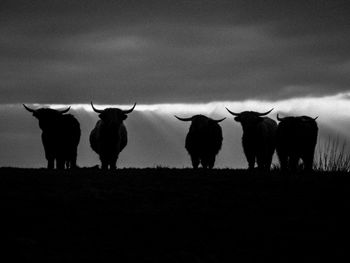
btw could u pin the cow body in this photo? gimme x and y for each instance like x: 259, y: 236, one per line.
x: 109, y: 136
x: 60, y: 137
x: 108, y: 142
x: 296, y: 139
x: 259, y: 144
x: 258, y: 138
x: 203, y: 140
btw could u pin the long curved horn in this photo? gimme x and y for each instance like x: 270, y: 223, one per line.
x: 28, y: 109
x: 95, y: 110
x: 184, y: 119
x: 64, y: 111
x: 233, y: 113
x: 220, y: 120
x: 128, y: 111
x: 279, y: 118
x: 264, y: 113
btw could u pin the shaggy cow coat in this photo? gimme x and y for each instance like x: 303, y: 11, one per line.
x: 258, y: 138
x: 296, y: 139
x: 258, y: 143
x: 109, y: 136
x: 60, y: 137
x: 203, y: 141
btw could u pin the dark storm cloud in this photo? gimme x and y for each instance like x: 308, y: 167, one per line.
x: 164, y: 51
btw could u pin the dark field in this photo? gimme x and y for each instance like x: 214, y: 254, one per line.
x: 173, y: 215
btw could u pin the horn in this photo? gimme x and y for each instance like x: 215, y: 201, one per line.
x: 220, y: 120
x: 128, y: 111
x: 315, y: 118
x: 95, y: 110
x: 184, y: 119
x: 233, y: 113
x: 28, y: 109
x: 265, y: 113
x: 279, y: 118
x: 64, y: 111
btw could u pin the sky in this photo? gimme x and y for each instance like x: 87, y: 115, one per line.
x: 181, y: 55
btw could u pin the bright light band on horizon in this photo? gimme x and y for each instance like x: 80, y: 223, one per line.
x: 335, y: 105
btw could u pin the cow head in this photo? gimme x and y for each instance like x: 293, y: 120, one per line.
x: 112, y: 115
x: 199, y: 119
x: 248, y: 119
x: 47, y: 117
x: 300, y: 118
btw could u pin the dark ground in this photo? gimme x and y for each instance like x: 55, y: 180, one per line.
x: 173, y: 215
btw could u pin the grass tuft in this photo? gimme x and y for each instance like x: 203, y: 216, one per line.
x: 332, y: 156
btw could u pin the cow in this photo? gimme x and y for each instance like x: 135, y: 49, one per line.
x: 258, y: 138
x: 296, y: 139
x: 203, y: 140
x: 60, y: 136
x: 109, y: 137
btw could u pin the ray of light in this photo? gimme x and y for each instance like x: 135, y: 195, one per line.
x: 328, y: 106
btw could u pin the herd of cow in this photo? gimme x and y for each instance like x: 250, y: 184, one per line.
x: 294, y: 138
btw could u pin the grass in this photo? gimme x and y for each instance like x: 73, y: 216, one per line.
x: 172, y: 215
x: 332, y: 156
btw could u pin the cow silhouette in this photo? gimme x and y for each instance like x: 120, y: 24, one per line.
x: 258, y: 138
x: 60, y: 136
x: 109, y: 137
x: 296, y: 139
x: 203, y: 140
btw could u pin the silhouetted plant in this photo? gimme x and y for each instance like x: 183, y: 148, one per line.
x: 332, y: 156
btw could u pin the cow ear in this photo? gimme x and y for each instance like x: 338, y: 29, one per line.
x: 260, y: 119
x: 238, y: 119
x: 101, y: 116
x: 124, y: 117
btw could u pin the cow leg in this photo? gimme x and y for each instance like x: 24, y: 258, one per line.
x: 195, y: 161
x: 251, y: 161
x: 60, y: 164
x: 73, y: 161
x: 283, y: 160
x: 50, y: 159
x: 261, y: 162
x: 268, y: 162
x: 50, y: 163
x: 308, y: 162
x: 49, y: 153
x: 293, y: 163
x: 204, y: 162
x: 71, y: 164
x: 113, y: 165
x: 211, y: 162
x: 113, y: 162
x: 104, y: 164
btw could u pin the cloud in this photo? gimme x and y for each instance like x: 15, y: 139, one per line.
x: 162, y: 51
